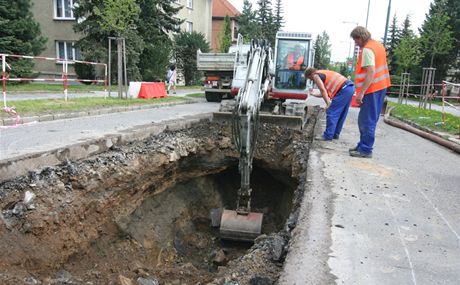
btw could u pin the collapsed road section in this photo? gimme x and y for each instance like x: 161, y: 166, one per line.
x: 140, y: 212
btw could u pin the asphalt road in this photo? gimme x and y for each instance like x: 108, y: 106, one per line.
x: 44, y: 136
x: 392, y: 219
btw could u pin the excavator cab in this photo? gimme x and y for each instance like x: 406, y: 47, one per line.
x: 293, y: 54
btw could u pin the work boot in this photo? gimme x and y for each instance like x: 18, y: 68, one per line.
x: 322, y: 138
x: 353, y: 149
x: 356, y: 153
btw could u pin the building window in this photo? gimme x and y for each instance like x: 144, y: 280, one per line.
x: 63, y: 9
x: 190, y: 4
x: 188, y: 27
x: 177, y: 27
x: 67, y: 50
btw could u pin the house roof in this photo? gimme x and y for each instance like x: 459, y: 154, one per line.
x: 221, y: 8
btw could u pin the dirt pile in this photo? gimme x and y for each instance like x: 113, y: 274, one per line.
x: 139, y: 214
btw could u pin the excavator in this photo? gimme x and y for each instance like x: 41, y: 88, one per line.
x: 262, y: 80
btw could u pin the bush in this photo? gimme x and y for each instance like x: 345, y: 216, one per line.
x: 85, y: 71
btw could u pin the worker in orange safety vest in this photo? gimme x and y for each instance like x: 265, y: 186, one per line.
x: 372, y: 79
x: 336, y: 91
x: 294, y: 59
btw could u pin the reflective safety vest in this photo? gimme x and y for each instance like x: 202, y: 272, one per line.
x: 381, y: 79
x: 294, y: 64
x: 333, y: 81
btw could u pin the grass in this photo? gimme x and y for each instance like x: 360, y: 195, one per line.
x: 43, y: 87
x: 50, y: 106
x: 430, y: 119
x: 196, y: 95
x: 58, y: 87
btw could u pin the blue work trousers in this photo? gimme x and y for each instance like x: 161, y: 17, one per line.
x: 368, y: 117
x: 337, y: 112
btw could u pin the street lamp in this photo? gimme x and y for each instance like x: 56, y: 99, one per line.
x: 368, y: 6
x: 354, y: 47
x: 386, y: 23
x: 349, y: 46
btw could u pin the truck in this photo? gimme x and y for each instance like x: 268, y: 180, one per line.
x: 219, y: 69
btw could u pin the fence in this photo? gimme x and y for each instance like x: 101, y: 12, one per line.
x: 64, y: 77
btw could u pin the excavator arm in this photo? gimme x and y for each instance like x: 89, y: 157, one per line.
x: 242, y: 224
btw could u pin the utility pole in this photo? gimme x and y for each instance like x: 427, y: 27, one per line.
x: 386, y: 24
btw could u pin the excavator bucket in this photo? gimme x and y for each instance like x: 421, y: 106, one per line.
x: 240, y: 226
x: 290, y: 122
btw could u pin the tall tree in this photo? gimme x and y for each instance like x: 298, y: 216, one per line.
x: 19, y: 34
x: 186, y: 47
x: 436, y: 37
x: 394, y: 38
x: 109, y: 18
x: 226, y: 37
x: 407, y: 52
x: 279, y: 19
x: 247, y: 25
x: 265, y: 21
x: 322, y: 51
x: 453, y: 58
x: 406, y: 29
x: 156, y: 20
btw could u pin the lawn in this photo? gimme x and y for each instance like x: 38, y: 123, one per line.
x: 50, y: 106
x: 55, y: 87
x: 430, y: 119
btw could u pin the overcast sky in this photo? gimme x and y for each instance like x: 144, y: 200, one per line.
x: 316, y: 16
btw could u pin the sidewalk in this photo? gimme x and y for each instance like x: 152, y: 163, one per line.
x: 392, y: 219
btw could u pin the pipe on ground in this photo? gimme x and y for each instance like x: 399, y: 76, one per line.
x: 446, y: 143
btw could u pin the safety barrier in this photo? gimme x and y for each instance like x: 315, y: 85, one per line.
x: 64, y: 78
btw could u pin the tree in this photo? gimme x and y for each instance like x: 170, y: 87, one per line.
x: 436, y: 35
x: 226, y: 39
x: 247, y: 25
x: 453, y: 58
x: 265, y: 21
x: 186, y: 47
x: 156, y: 20
x: 408, y: 52
x: 322, y: 51
x: 406, y: 29
x: 278, y: 20
x: 394, y: 36
x: 109, y: 18
x: 19, y: 34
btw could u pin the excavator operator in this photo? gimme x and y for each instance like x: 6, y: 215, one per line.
x: 294, y: 60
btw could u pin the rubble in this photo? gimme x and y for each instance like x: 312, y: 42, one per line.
x: 139, y: 214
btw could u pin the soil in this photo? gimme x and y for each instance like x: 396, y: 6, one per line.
x: 139, y: 214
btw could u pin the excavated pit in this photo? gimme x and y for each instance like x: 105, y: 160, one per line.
x: 141, y: 212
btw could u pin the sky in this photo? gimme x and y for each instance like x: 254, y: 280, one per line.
x: 338, y: 17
